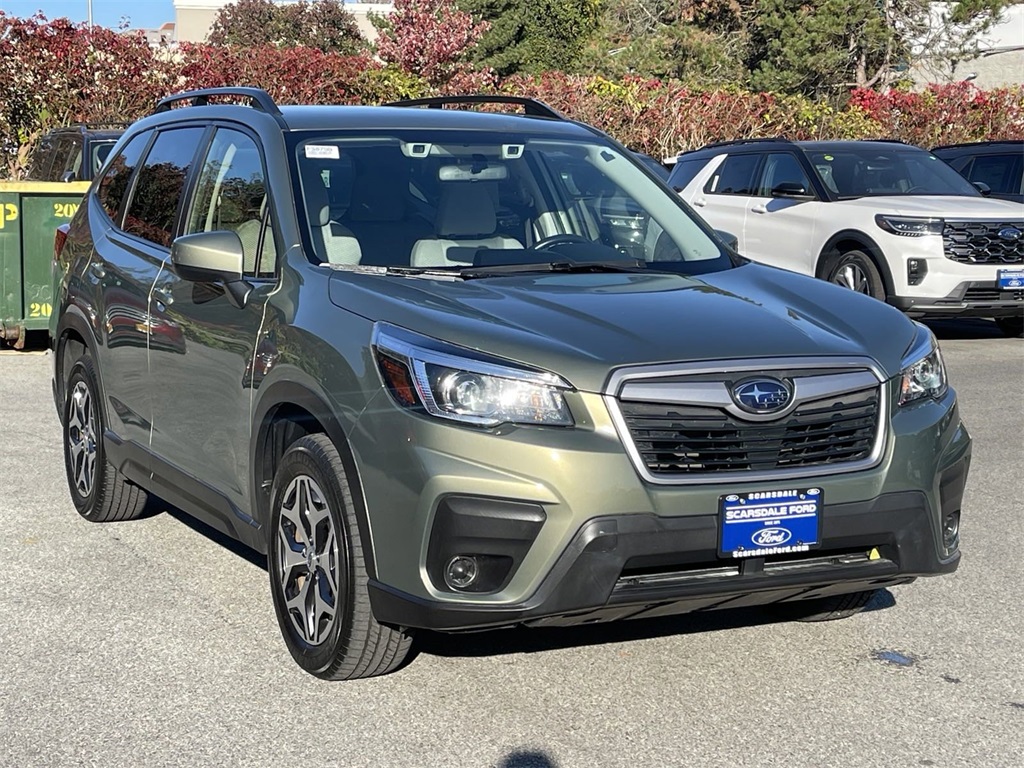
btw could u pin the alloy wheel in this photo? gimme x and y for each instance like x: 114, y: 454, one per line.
x: 82, y: 444
x: 851, y: 276
x: 308, y: 560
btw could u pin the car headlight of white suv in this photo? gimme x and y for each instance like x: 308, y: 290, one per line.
x: 910, y: 226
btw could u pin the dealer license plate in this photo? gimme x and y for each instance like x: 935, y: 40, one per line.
x: 1011, y: 278
x: 764, y: 523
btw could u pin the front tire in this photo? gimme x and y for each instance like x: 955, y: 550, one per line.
x: 826, y: 608
x: 1011, y: 326
x: 317, y: 573
x: 858, y: 272
x: 101, y: 494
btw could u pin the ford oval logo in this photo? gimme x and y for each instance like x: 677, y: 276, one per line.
x: 761, y: 395
x: 1011, y: 234
x: 771, y: 537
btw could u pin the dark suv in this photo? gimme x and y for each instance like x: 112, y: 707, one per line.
x: 997, y: 165
x: 73, y: 153
x: 459, y: 370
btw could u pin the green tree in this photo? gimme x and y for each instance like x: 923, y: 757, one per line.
x: 701, y: 42
x: 821, y: 47
x: 323, y: 24
x: 533, y: 35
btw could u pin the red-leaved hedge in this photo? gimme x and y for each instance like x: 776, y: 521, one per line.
x: 56, y: 72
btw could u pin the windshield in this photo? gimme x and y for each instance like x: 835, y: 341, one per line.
x: 458, y: 200
x: 871, y: 171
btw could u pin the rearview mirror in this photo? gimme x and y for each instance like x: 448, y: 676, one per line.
x: 728, y: 238
x: 208, y: 257
x: 791, y: 189
x: 212, y: 257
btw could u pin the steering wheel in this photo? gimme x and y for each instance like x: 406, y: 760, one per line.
x: 555, y: 240
x: 915, y: 188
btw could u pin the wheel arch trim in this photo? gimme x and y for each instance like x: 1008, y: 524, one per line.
x: 283, y: 394
x: 870, y: 247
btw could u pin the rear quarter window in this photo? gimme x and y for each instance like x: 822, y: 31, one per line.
x: 113, y: 186
x: 686, y: 171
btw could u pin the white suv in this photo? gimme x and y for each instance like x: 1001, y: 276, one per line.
x: 880, y: 217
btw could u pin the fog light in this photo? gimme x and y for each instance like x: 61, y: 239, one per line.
x: 461, y: 572
x: 951, y: 530
x: 916, y: 270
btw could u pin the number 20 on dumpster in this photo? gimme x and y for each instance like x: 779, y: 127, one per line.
x: 8, y: 212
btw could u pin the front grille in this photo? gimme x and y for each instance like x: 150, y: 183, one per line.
x: 978, y: 242
x: 675, y: 440
x: 992, y: 295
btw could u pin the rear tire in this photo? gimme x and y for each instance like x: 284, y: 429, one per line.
x: 857, y: 271
x: 1011, y: 326
x: 317, y: 573
x: 101, y: 494
x: 826, y: 608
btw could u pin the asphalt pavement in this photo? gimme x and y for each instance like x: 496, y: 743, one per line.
x: 154, y: 643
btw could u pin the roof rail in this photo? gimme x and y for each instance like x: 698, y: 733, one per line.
x: 978, y: 143
x: 776, y: 139
x: 100, y: 124
x: 531, y: 107
x: 258, y: 98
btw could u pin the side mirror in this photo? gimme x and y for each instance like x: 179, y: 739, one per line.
x: 791, y: 189
x: 982, y: 187
x: 728, y: 238
x: 212, y: 257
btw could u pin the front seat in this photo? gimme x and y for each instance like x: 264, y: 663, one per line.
x: 466, y: 221
x: 330, y: 238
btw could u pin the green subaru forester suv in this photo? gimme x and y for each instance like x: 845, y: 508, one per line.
x: 458, y: 369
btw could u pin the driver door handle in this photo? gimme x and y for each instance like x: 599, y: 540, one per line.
x: 700, y: 202
x: 759, y: 208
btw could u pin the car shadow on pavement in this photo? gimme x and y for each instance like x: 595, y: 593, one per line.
x: 539, y: 639
x: 230, y: 544
x: 528, y: 759
x: 964, y: 328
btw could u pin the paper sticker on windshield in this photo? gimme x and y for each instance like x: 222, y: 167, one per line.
x: 323, y: 151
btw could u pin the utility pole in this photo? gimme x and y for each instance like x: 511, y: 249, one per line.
x: 89, y: 3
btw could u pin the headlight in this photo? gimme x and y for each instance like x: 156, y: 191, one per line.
x: 926, y: 375
x: 910, y: 226
x: 479, y: 391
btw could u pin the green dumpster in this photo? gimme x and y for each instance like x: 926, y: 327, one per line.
x: 30, y: 212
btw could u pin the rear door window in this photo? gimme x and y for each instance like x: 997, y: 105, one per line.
x: 735, y: 176
x: 113, y: 187
x: 157, y: 191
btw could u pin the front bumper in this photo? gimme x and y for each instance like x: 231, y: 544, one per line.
x: 639, y: 566
x: 971, y: 298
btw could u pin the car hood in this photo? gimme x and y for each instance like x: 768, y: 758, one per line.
x: 582, y: 326
x: 946, y: 206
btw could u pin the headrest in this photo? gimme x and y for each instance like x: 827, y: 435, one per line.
x: 466, y: 209
x: 317, y: 204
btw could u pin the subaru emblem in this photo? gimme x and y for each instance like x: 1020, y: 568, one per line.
x: 1011, y: 234
x: 762, y: 395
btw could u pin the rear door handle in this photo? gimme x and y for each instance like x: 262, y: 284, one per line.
x: 97, y: 270
x: 700, y: 202
x: 162, y: 297
x: 759, y: 209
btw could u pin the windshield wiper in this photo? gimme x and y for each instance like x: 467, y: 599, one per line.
x: 553, y: 266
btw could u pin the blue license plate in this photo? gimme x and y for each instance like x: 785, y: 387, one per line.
x: 764, y: 523
x: 1011, y: 278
